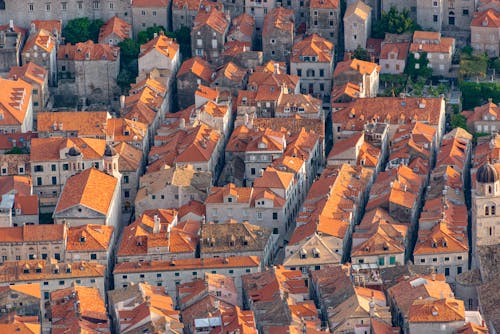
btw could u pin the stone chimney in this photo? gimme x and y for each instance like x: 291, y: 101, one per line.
x: 156, y: 224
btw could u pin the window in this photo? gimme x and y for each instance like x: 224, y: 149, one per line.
x: 54, y: 180
x: 434, y: 259
x: 38, y: 168
x: 465, y: 12
x: 435, y: 3
x: 259, y: 215
x: 80, y: 4
x: 126, y: 193
x: 392, y: 260
x: 447, y: 259
x: 39, y: 181
x: 57, y: 256
x: 47, y: 7
x: 381, y: 261
x: 299, y: 72
x: 422, y: 260
x: 96, y: 5
x: 153, y: 196
x: 143, y: 12
x: 459, y: 257
x: 92, y: 280
x: 65, y: 166
x: 446, y: 271
x: 459, y: 270
x: 111, y: 5
x: 486, y: 210
x: 247, y: 270
x: 30, y: 7
x: 153, y: 12
x: 195, y: 273
x: 124, y: 276
x: 231, y: 271
x: 493, y: 210
x: 252, y: 171
x: 61, y: 282
x: 93, y: 256
x: 275, y: 216
x: 64, y: 5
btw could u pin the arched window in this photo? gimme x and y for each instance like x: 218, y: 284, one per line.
x: 486, y: 210
x: 451, y: 18
x: 490, y: 190
x: 491, y: 231
x: 493, y: 210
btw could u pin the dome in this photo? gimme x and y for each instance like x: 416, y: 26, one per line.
x: 109, y: 151
x: 487, y: 174
x: 74, y: 151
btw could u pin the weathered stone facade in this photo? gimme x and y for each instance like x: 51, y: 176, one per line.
x: 277, y: 34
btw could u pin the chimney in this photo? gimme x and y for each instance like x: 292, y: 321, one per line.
x: 347, y: 56
x: 372, y: 305
x: 182, y: 123
x: 372, y: 58
x: 155, y: 35
x: 245, y: 119
x: 276, y: 68
x: 122, y: 102
x: 32, y: 28
x: 60, y: 126
x: 156, y: 224
x: 11, y: 25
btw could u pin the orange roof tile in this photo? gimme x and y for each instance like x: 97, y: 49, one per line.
x: 361, y: 66
x: 165, y: 45
x: 232, y: 72
x: 272, y: 178
x: 29, y: 72
x: 48, y: 149
x: 400, y: 49
x: 189, y: 4
x: 43, y: 39
x: 440, y: 239
x: 218, y: 194
x: 89, y: 237
x: 245, y: 24
x: 91, y: 123
x: 187, y: 264
x: 14, y: 100
x: 33, y: 233
x: 425, y: 41
x: 198, y: 66
x: 358, y: 8
x: 442, y: 310
x: 212, y: 17
x: 278, y: 18
x: 150, y: 3
x: 88, y: 51
x: 489, y: 18
x: 313, y: 46
x: 117, y: 26
x: 332, y: 4
x: 53, y: 26
x: 91, y: 188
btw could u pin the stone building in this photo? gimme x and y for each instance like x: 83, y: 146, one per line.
x: 357, y: 25
x: 89, y: 70
x: 11, y: 43
x: 37, y: 76
x: 361, y: 72
x: 439, y: 50
x: 150, y: 13
x: 208, y: 34
x: 312, y: 61
x: 484, y: 119
x: 324, y: 19
x: 41, y: 49
x: 485, y: 197
x: 16, y: 105
x: 192, y: 73
x: 259, y: 9
x: 114, y: 31
x: 23, y: 12
x: 161, y: 53
x: 485, y: 32
x: 277, y: 34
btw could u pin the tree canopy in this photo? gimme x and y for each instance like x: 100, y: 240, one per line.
x: 146, y: 35
x: 394, y: 22
x: 361, y: 54
x: 81, y: 30
x: 417, y: 66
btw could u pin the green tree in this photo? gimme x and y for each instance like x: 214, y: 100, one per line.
x: 146, y: 35
x: 417, y: 67
x: 459, y: 121
x: 81, y: 30
x: 129, y: 49
x: 476, y: 94
x: 361, y: 54
x: 394, y: 22
x: 183, y: 37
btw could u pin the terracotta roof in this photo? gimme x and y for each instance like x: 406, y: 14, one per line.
x: 88, y: 51
x: 123, y: 129
x: 487, y: 112
x: 29, y: 72
x: 381, y: 327
x: 27, y: 204
x: 361, y: 66
x: 244, y: 139
x: 189, y: 4
x: 235, y: 48
x: 400, y: 49
x: 91, y: 188
x: 42, y: 39
x: 78, y: 308
x: 489, y: 18
x: 32, y: 290
x: 332, y: 4
x: 187, y: 264
x: 33, y: 233
x: 358, y: 8
x: 89, y: 237
x: 15, y: 184
x: 428, y: 41
x: 272, y: 178
x: 53, y: 26
x: 164, y: 45
x: 244, y: 24
x: 89, y: 123
x: 49, y: 149
x: 439, y: 240
x: 280, y: 18
x: 198, y: 66
x: 13, y: 271
x: 14, y: 100
x: 313, y: 46
x: 472, y: 328
x: 20, y: 327
x: 232, y: 72
x: 117, y: 26
x: 391, y: 110
x: 441, y: 310
x: 212, y: 17
x: 218, y: 194
x: 150, y: 3
x: 196, y: 144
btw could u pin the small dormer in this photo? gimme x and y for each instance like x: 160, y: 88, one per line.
x: 303, y: 253
x: 230, y: 199
x: 262, y: 145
